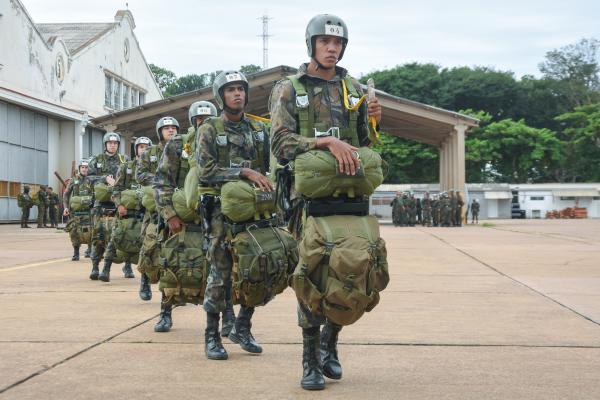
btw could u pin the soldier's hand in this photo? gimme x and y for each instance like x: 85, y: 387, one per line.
x: 344, y: 153
x: 374, y: 109
x: 175, y: 224
x: 110, y: 180
x: 122, y: 210
x: 259, y: 179
x: 66, y: 212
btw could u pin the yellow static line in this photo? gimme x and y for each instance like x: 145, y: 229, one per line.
x: 38, y: 264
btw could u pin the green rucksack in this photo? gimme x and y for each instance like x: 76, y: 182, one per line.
x: 181, y: 209
x: 185, y: 268
x: 263, y: 259
x: 83, y: 228
x: 317, y: 174
x: 127, y: 235
x: 241, y: 201
x: 80, y: 203
x: 342, y: 267
x: 130, y: 199
x: 148, y: 200
x: 102, y: 192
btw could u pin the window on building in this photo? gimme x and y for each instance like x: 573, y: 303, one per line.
x: 126, y: 95
x: 565, y: 198
x: 117, y: 95
x: 3, y: 189
x: 536, y: 197
x: 108, y: 80
x: 134, y: 97
x: 142, y: 98
x: 596, y: 198
x: 15, y: 189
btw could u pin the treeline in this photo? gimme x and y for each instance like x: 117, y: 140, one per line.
x: 531, y: 129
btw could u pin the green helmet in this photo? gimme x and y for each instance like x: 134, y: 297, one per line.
x: 165, y: 121
x: 201, y: 108
x: 226, y: 78
x: 141, y: 140
x: 111, y: 137
x: 325, y: 24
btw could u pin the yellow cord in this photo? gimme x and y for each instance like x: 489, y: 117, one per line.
x: 372, y: 120
x: 257, y: 118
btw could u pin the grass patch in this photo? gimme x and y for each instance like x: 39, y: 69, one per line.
x: 488, y: 225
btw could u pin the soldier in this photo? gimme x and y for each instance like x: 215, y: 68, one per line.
x: 42, y: 204
x: 25, y: 202
x: 459, y: 207
x: 411, y: 209
x: 419, y: 211
x: 326, y: 40
x: 125, y: 180
x: 435, y: 210
x: 53, y: 202
x: 148, y: 264
x: 475, y: 211
x: 426, y: 204
x: 102, y: 170
x: 396, y: 204
x: 445, y: 210
x: 228, y: 148
x: 78, y: 186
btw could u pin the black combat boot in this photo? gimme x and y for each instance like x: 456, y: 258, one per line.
x: 241, y: 334
x: 329, y: 357
x: 165, y: 322
x: 95, y: 270
x: 127, y: 271
x: 145, y: 291
x: 212, y: 340
x: 312, y: 373
x: 105, y: 274
x: 87, y: 252
x: 227, y: 316
x: 75, y: 253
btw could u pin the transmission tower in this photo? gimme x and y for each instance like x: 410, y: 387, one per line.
x: 265, y: 36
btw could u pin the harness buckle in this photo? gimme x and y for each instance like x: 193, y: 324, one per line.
x: 333, y: 131
x: 302, y: 101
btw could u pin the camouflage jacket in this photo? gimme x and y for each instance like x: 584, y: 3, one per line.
x: 329, y: 111
x: 170, y: 174
x: 103, y: 165
x: 125, y: 180
x: 53, y: 199
x: 220, y: 161
x: 25, y: 200
x: 42, y: 197
x: 148, y: 163
x: 426, y: 203
x: 80, y: 185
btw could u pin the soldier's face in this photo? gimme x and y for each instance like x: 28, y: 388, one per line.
x: 141, y: 148
x: 83, y: 170
x: 112, y: 146
x: 234, y: 96
x: 327, y: 50
x: 167, y: 132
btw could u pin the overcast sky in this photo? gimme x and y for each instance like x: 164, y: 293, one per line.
x: 199, y: 36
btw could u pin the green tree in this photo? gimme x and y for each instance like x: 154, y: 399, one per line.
x: 250, y: 69
x: 408, y: 161
x: 581, y: 127
x: 163, y: 77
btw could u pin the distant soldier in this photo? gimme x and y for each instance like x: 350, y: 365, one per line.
x: 53, y: 202
x: 419, y: 211
x: 459, y: 207
x: 396, y: 205
x: 411, y: 209
x: 426, y: 205
x: 81, y: 189
x: 475, y: 211
x: 453, y: 207
x: 25, y: 202
x: 42, y: 203
x: 445, y: 218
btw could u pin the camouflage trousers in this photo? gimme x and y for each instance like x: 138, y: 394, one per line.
x: 218, y: 285
x: 101, y: 232
x: 149, y: 259
x: 53, y: 215
x: 41, y: 218
x: 73, y: 229
x: 426, y: 216
x: 24, y: 216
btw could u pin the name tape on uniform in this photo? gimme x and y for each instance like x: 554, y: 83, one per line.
x: 334, y: 30
x: 233, y: 77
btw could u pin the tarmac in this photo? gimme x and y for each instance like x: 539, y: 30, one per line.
x: 505, y: 310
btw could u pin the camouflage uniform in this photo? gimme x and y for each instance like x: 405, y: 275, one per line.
x: 396, y: 204
x: 435, y: 211
x: 79, y: 185
x: 453, y: 209
x: 243, y: 150
x: 25, y: 202
x: 412, y: 210
x: 474, y: 211
x: 426, y: 204
x: 100, y: 167
x: 287, y: 143
x: 53, y: 202
x: 42, y: 204
x: 144, y: 175
x: 459, y: 206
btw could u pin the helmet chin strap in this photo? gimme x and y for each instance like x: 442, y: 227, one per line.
x: 231, y: 110
x: 321, y: 66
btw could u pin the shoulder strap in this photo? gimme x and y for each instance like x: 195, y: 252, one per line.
x: 221, y: 139
x: 304, y: 106
x: 352, y: 114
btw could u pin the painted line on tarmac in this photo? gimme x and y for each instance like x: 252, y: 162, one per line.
x: 80, y: 352
x: 513, y: 279
x: 37, y: 264
x: 551, y: 235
